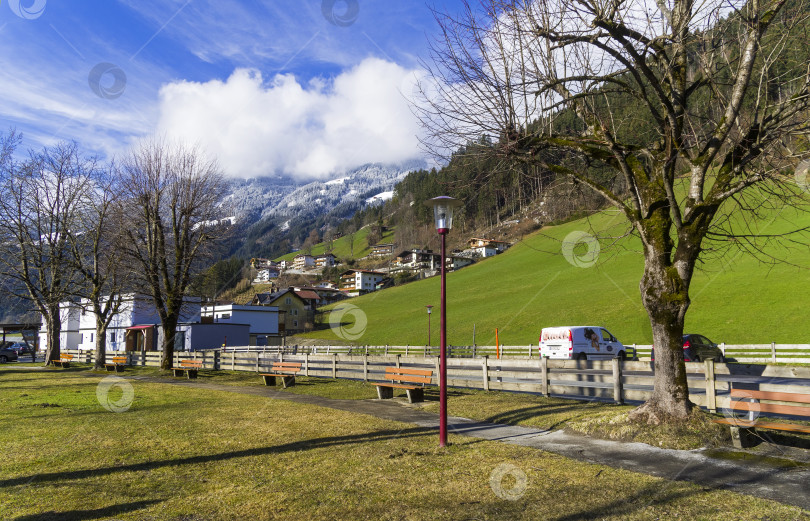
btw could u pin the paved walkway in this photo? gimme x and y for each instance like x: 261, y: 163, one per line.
x: 787, y: 484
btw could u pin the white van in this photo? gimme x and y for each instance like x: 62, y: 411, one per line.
x: 580, y: 343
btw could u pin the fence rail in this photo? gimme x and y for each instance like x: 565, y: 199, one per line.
x: 743, y: 353
x: 709, y: 383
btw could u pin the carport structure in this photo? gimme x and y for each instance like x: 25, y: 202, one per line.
x: 28, y: 330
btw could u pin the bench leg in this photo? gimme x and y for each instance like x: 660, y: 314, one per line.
x: 287, y: 381
x: 269, y: 380
x: 384, y: 393
x: 65, y: 364
x: 415, y: 395
x: 192, y: 374
x: 742, y: 437
x: 178, y: 372
x: 109, y: 368
x: 119, y: 368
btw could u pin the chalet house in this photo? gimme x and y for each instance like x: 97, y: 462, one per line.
x: 265, y: 275
x: 359, y: 282
x: 296, y: 310
x: 419, y: 260
x: 303, y: 262
x: 325, y: 295
x: 259, y: 264
x: 381, y: 250
x: 486, y: 247
x: 456, y: 262
x: 326, y: 260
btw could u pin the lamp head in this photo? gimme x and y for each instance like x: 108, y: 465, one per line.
x: 443, y: 208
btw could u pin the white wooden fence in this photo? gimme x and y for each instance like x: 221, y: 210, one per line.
x: 709, y: 383
x: 743, y: 353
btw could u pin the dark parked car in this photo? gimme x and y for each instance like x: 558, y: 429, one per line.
x: 697, y: 348
x: 7, y: 355
x: 21, y: 348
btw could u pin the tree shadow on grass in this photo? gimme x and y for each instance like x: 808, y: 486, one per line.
x: 80, y: 515
x: 516, y: 416
x: 318, y: 443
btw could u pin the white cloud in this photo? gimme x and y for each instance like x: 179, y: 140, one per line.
x: 257, y: 127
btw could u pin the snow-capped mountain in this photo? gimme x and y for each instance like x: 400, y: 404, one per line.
x: 285, y: 198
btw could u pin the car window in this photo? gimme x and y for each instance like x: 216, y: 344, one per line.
x: 606, y: 336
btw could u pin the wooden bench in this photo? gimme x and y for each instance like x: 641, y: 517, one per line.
x: 743, y: 430
x: 190, y: 367
x: 412, y: 380
x: 117, y: 364
x: 285, y: 371
x: 64, y: 360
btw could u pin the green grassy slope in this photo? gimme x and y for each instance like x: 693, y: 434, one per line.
x: 735, y: 298
x: 341, y: 248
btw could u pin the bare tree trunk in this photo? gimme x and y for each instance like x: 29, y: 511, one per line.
x: 670, y: 398
x: 54, y: 331
x: 101, y: 344
x: 169, y: 332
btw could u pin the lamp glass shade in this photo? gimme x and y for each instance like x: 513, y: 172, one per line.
x: 443, y: 211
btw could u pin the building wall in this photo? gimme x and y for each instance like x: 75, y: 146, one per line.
x: 263, y: 320
x: 211, y: 336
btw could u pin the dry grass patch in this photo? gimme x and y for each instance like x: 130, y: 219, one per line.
x: 180, y: 453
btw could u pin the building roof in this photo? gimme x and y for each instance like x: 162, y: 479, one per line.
x: 308, y: 295
x: 269, y: 298
x: 487, y: 240
x: 362, y: 271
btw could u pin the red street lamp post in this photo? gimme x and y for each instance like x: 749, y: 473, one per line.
x: 443, y: 215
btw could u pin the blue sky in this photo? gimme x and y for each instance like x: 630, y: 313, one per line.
x: 308, y: 87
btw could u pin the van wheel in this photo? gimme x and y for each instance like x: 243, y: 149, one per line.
x: 622, y: 356
x: 582, y: 356
x: 3, y: 359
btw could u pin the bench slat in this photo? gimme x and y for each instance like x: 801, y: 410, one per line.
x: 771, y: 396
x: 795, y: 410
x: 398, y: 386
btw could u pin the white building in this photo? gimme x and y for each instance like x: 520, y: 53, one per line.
x: 265, y: 275
x: 326, y: 260
x: 262, y: 320
x: 303, y: 261
x: 135, y: 328
x: 359, y: 282
x: 69, y: 337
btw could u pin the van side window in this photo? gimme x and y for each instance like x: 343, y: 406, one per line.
x: 606, y: 336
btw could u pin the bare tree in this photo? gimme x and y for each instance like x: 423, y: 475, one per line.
x: 681, y: 114
x: 39, y: 209
x: 103, y: 275
x: 172, y: 203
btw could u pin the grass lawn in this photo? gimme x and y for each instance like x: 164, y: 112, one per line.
x: 191, y: 454
x: 736, y: 298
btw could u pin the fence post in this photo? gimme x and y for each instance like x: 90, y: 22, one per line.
x: 233, y: 360
x: 723, y: 348
x: 473, y: 350
x: 398, y: 362
x: 406, y: 350
x: 485, y: 368
x: 617, y: 381
x: 438, y: 369
x: 544, y: 376
x: 257, y: 361
x: 424, y: 351
x: 773, y: 351
x: 386, y: 349
x: 334, y: 365
x: 365, y: 367
x: 217, y: 364
x: 711, y: 395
